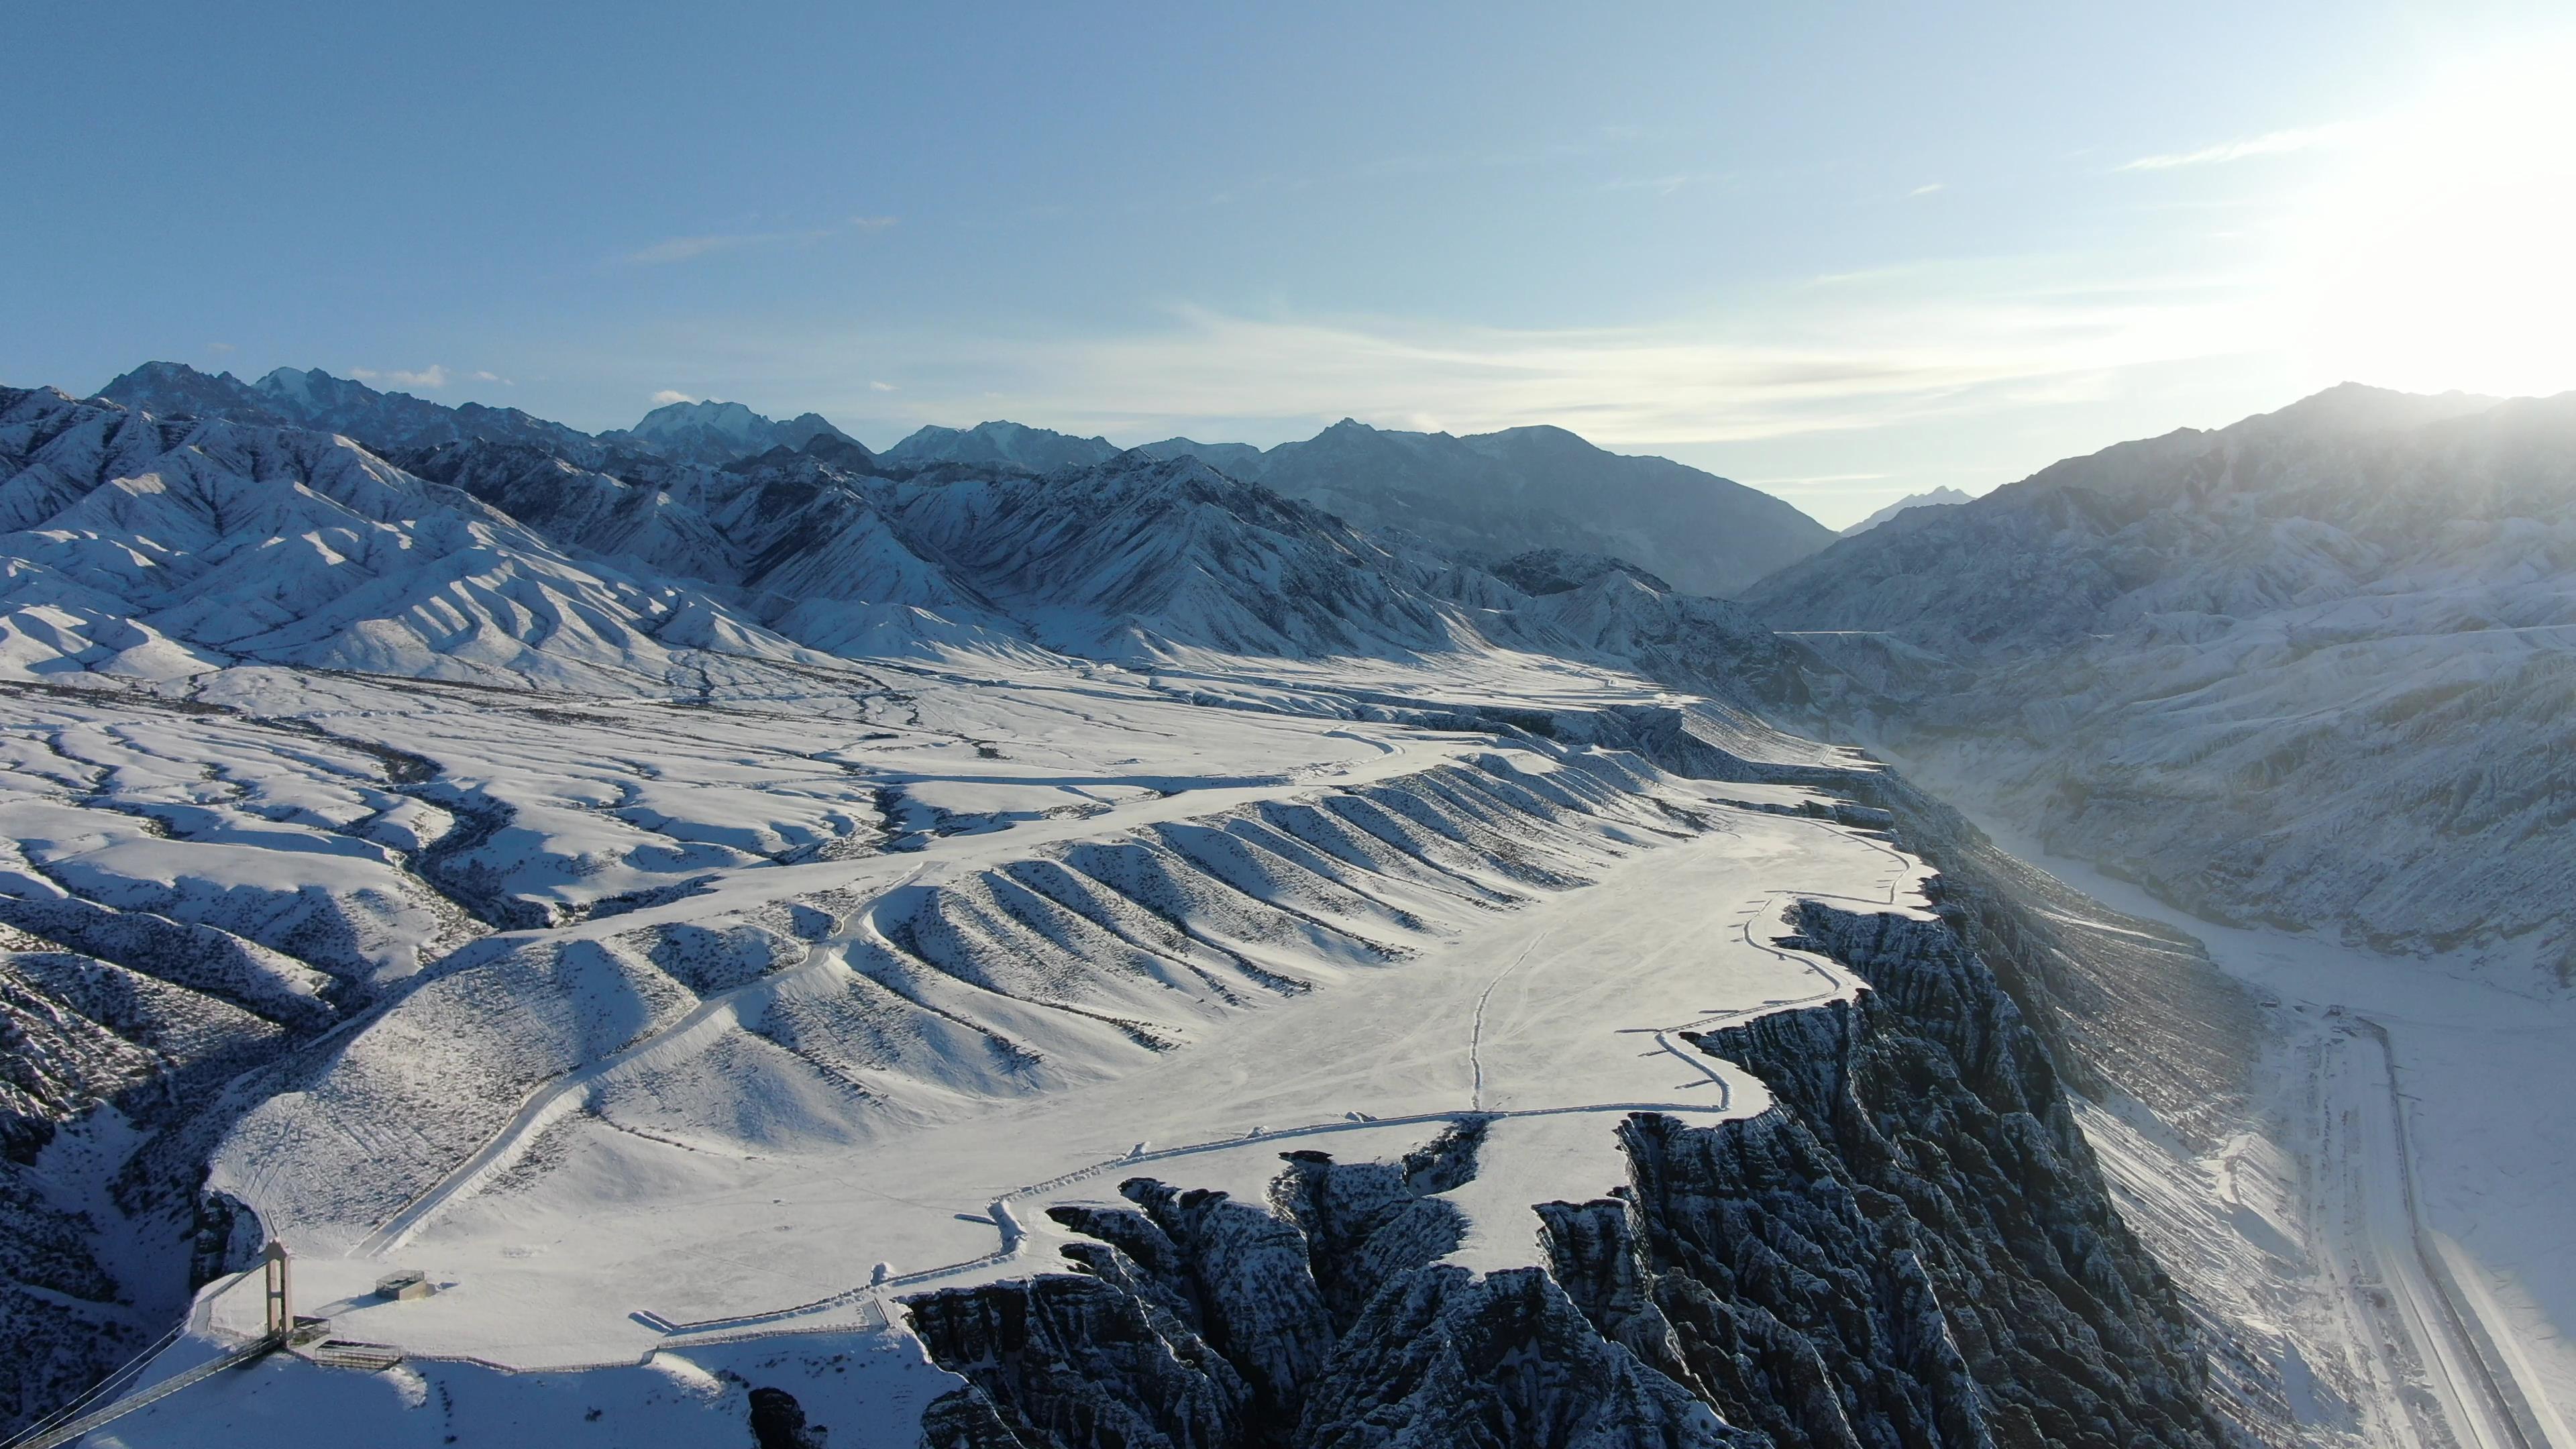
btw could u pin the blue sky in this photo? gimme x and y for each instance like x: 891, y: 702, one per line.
x: 1844, y: 253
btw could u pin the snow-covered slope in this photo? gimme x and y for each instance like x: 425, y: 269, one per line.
x: 2315, y: 668
x: 1138, y: 555
x: 159, y: 549
x: 1944, y: 497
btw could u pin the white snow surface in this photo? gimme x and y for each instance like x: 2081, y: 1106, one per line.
x: 1137, y: 913
x: 2329, y: 1225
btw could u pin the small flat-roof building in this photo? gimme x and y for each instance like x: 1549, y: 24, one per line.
x: 405, y: 1283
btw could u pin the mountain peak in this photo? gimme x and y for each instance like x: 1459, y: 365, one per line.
x: 1001, y: 443
x: 711, y: 431
x: 175, y: 388
x: 2360, y: 407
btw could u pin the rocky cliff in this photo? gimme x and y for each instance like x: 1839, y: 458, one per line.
x: 1912, y: 1246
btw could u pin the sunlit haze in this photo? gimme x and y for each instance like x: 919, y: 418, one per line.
x: 1844, y: 258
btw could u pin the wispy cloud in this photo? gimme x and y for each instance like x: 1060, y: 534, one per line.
x: 219, y: 347
x: 875, y: 386
x: 1928, y: 188
x: 1863, y: 357
x: 690, y: 248
x: 1667, y: 184
x: 668, y: 396
x: 2273, y: 143
x: 482, y: 375
x: 432, y: 377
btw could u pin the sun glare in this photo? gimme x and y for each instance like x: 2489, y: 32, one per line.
x: 2441, y: 256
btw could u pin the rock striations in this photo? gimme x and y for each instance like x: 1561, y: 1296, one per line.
x: 1912, y: 1247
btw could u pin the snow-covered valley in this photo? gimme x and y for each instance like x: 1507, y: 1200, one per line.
x: 2383, y: 1205
x: 908, y: 948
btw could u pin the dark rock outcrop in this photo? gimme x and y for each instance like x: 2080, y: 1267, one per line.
x: 1911, y: 1249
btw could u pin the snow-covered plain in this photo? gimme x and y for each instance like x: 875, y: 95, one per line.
x: 1128, y: 921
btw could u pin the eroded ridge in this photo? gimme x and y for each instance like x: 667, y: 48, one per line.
x: 1912, y: 1245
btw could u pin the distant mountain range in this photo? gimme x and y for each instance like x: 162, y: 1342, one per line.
x: 720, y: 432
x: 315, y: 399
x: 159, y: 545
x: 1480, y: 498
x: 1491, y: 495
x: 1937, y: 498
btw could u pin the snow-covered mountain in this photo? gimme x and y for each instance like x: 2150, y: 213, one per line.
x: 1493, y: 495
x: 720, y: 432
x: 1943, y: 497
x: 312, y: 398
x: 713, y: 433
x: 1482, y: 498
x: 2314, y: 668
x: 152, y: 549
x: 1000, y: 445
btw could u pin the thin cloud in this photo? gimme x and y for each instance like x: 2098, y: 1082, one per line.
x: 690, y: 248
x: 875, y: 386
x: 219, y: 347
x: 481, y: 375
x: 1928, y: 188
x: 432, y: 377
x: 1852, y: 361
x: 668, y: 396
x: 1666, y: 185
x: 2274, y: 143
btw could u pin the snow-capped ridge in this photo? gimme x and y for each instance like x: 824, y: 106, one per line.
x: 1493, y: 495
x: 312, y: 398
x: 1002, y: 444
x: 719, y: 433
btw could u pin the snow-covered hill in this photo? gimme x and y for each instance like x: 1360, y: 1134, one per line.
x: 2313, y: 669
